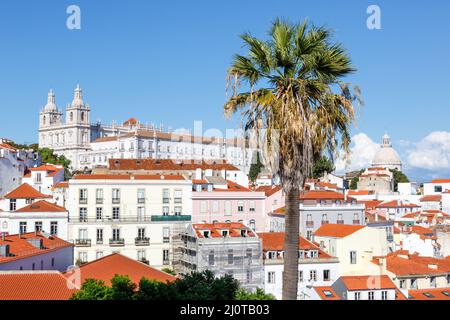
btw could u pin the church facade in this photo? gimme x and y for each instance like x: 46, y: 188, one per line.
x: 88, y: 145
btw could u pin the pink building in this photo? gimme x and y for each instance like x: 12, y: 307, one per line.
x: 218, y: 200
x: 275, y: 198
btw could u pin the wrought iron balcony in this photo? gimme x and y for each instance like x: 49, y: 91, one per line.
x: 340, y: 222
x: 309, y: 224
x: 356, y: 222
x: 171, y: 218
x: 83, y: 200
x: 117, y: 242
x: 83, y: 242
x: 325, y: 222
x: 142, y: 241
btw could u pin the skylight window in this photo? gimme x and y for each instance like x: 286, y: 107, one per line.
x: 428, y: 295
x: 328, y: 294
x: 446, y: 293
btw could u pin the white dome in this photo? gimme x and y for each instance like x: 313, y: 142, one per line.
x: 386, y: 156
x: 51, y: 104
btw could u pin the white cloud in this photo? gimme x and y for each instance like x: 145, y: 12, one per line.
x: 432, y: 152
x: 362, y: 151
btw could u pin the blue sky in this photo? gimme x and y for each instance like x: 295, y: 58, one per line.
x: 166, y: 61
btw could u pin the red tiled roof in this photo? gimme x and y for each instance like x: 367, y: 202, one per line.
x: 328, y: 185
x: 430, y: 294
x: 168, y: 165
x: 233, y: 187
x: 7, y: 146
x: 404, y: 264
x: 329, y: 290
x: 337, y: 230
x: 105, y: 139
x: 268, y: 190
x: 431, y: 198
x: 25, y: 191
x: 360, y: 192
x: 397, y: 204
x: 274, y: 241
x: 322, y: 194
x: 34, y: 286
x: 353, y: 283
x: 234, y: 229
x: 200, y: 181
x: 440, y: 181
x: 131, y: 121
x: 128, y: 177
x: 64, y: 184
x: 42, y: 206
x: 370, y: 204
x: 20, y: 248
x: 107, y: 267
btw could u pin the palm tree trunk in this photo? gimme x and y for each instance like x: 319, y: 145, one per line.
x: 292, y: 232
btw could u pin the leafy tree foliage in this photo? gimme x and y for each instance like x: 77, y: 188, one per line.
x: 399, y: 177
x: 255, y: 168
x: 243, y: 294
x: 194, y: 286
x: 321, y: 166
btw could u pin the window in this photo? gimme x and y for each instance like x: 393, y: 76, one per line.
x: 99, y: 213
x: 33, y: 266
x: 141, y: 213
x: 99, y: 236
x: 99, y: 254
x: 83, y: 214
x: 82, y: 256
x: 438, y: 189
x: 165, y: 195
x: 309, y: 234
x: 312, y: 275
x: 433, y: 282
x: 42, y: 265
x: 249, y: 275
x: 240, y: 207
x: 82, y: 234
x: 357, y: 295
x: 230, y: 256
x: 215, y: 206
x: 177, y: 211
x: 203, y: 207
x: 165, y: 211
x: 340, y: 218
x: 178, y: 196
x: 83, y: 196
x: 38, y: 226
x: 166, y: 235
x: 141, y: 233
x: 252, y: 224
x: 165, y: 256
x: 428, y: 295
x: 99, y: 196
x: 22, y: 227
x: 300, y: 276
x: 228, y: 208
x: 116, y: 213
x: 371, y: 295
x: 53, y: 262
x: 352, y: 257
x: 271, y: 277
x: 116, y: 195
x: 326, y: 275
x: 54, y: 228
x: 251, y: 206
x: 402, y: 284
x: 141, y: 255
x: 116, y: 234
x: 211, y: 258
x: 324, y: 217
x: 141, y: 195
x: 384, y: 295
x: 12, y: 205
x: 413, y: 284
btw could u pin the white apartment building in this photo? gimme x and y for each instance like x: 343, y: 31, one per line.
x: 316, y: 267
x: 35, y: 217
x: 89, y: 144
x: 44, y: 177
x: 134, y: 215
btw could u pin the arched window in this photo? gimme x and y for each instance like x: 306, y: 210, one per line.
x: 71, y: 116
x: 82, y: 116
x: 43, y: 120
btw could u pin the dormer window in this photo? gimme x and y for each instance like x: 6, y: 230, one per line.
x: 271, y: 255
x: 206, y: 234
x: 225, y: 233
x: 301, y: 254
x: 323, y: 202
x: 243, y: 233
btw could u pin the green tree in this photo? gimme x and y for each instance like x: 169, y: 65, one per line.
x: 169, y: 271
x: 48, y: 156
x: 93, y: 290
x: 399, y: 177
x: 243, y: 294
x: 123, y: 288
x: 294, y: 98
x: 354, y: 183
x: 321, y: 166
x: 255, y: 168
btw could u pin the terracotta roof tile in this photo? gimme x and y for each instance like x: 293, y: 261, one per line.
x: 268, y: 190
x: 431, y: 198
x: 327, y: 293
x: 168, y: 165
x: 128, y: 177
x: 430, y: 294
x: 42, y: 206
x: 337, y: 230
x: 25, y: 191
x: 353, y: 283
x: 34, y: 286
x: 322, y: 194
x: 234, y: 229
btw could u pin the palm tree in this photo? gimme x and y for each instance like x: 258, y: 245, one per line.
x: 295, y: 102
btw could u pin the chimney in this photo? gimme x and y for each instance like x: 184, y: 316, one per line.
x: 433, y: 266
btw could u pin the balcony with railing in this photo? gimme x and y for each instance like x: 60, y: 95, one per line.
x: 340, y: 222
x: 82, y: 242
x: 115, y: 200
x: 141, y: 200
x: 325, y: 222
x: 142, y: 241
x: 99, y: 200
x: 171, y: 218
x: 356, y: 222
x: 310, y: 224
x: 83, y: 200
x: 116, y: 242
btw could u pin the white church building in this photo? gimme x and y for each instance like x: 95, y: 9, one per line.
x: 90, y: 145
